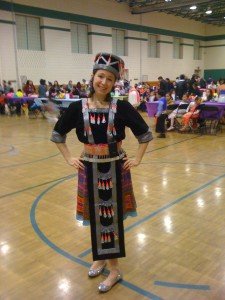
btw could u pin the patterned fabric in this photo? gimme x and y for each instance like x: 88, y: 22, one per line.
x: 82, y: 196
x: 128, y: 199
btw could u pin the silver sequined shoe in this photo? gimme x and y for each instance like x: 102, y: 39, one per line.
x: 105, y: 288
x: 96, y: 272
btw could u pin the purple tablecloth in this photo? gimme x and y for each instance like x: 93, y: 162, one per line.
x: 219, y: 105
x: 152, y: 107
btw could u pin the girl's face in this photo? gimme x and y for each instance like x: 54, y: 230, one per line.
x: 168, y: 97
x: 184, y: 98
x: 208, y: 92
x: 103, y: 82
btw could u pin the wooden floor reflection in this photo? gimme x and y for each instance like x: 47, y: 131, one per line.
x: 175, y: 246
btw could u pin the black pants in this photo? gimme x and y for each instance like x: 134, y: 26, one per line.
x: 160, y: 124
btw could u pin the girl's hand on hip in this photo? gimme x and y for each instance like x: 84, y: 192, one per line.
x: 129, y: 163
x: 76, y: 162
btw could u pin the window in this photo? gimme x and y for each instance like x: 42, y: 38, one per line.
x: 153, y: 50
x: 28, y: 33
x: 118, y: 42
x: 197, y: 53
x: 177, y: 48
x: 79, y: 38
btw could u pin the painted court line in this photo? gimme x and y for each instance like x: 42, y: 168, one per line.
x: 183, y: 285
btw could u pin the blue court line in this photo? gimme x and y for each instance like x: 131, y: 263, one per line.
x: 183, y: 285
x: 77, y: 260
x: 156, y: 212
x: 38, y: 185
x: 29, y: 162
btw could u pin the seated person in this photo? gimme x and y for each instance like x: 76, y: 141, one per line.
x: 2, y: 103
x: 207, y: 95
x: 10, y: 94
x: 19, y: 93
x: 178, y: 112
x: 169, y: 99
x: 192, y: 113
x: 221, y: 90
x: 152, y: 97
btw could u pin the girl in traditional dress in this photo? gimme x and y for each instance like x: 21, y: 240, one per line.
x: 192, y: 113
x: 105, y: 194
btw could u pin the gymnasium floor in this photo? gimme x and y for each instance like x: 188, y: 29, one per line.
x: 175, y: 247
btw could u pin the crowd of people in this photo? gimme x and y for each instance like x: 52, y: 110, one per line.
x: 138, y: 94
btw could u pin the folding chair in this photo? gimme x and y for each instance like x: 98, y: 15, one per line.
x: 210, y: 117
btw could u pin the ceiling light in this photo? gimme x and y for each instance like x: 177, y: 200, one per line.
x: 193, y: 7
x: 209, y: 11
x: 167, y: 0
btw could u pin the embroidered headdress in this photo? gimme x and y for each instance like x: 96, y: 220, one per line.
x: 109, y: 62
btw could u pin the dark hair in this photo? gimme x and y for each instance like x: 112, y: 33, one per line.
x: 160, y: 77
x: 42, y: 82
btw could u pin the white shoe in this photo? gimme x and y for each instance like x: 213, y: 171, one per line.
x: 170, y: 128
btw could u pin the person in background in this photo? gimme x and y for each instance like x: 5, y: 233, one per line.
x: 7, y: 86
x: 207, y: 95
x: 169, y: 99
x: 11, y: 93
x: 153, y: 96
x: 181, y: 87
x: 19, y: 93
x: 42, y: 89
x: 201, y: 82
x: 161, y: 115
x: 178, y: 111
x: 105, y: 195
x: 134, y: 96
x: 2, y: 103
x: 221, y: 90
x: 54, y: 89
x: 75, y: 93
x: 192, y: 113
x: 29, y: 88
x: 69, y: 86
x: 195, y: 90
x: 1, y: 89
x: 170, y: 85
x: 163, y: 84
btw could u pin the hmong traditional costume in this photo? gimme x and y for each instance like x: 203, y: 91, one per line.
x: 105, y: 194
